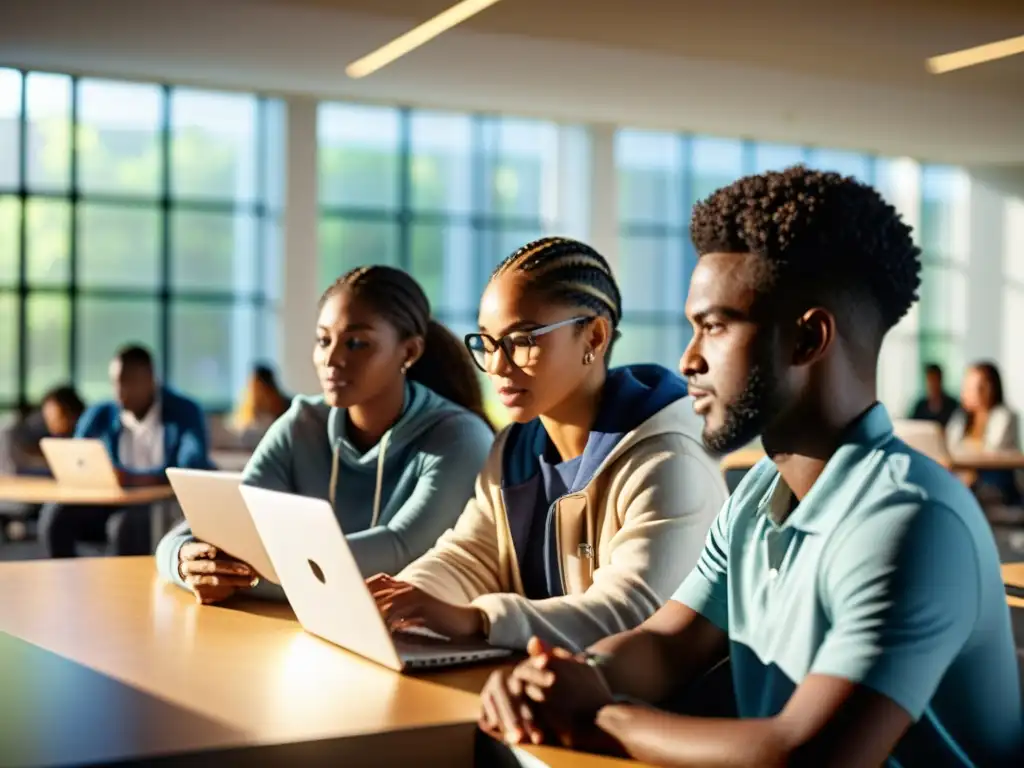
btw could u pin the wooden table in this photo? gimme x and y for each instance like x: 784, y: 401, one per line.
x: 230, y: 459
x: 45, y: 490
x: 1013, y: 575
x: 536, y: 757
x: 743, y: 459
x: 984, y: 460
x: 105, y: 663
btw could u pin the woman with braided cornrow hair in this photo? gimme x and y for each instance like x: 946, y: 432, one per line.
x: 595, y: 503
x: 394, y: 443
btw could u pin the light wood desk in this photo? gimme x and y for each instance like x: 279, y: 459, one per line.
x: 551, y: 757
x: 984, y: 460
x: 216, y: 684
x: 230, y: 459
x: 743, y: 459
x: 239, y: 675
x: 1013, y: 575
x: 45, y: 490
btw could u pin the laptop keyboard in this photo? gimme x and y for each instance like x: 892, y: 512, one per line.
x: 421, y: 652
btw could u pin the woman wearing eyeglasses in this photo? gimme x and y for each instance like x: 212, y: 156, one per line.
x: 394, y: 443
x: 594, y: 505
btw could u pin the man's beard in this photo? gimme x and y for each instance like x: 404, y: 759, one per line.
x: 746, y: 416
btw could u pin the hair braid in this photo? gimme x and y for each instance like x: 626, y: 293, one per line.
x: 570, y: 272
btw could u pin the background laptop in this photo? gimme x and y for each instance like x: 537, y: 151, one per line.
x: 926, y: 437
x: 327, y: 591
x: 80, y: 462
x: 218, y: 515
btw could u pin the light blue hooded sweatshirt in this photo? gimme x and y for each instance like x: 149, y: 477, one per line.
x: 426, y: 464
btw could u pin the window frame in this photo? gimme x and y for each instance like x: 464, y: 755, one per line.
x: 485, y: 228
x: 165, y: 204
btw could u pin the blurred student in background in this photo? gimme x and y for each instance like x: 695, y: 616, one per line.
x: 58, y: 413
x: 936, y: 405
x: 61, y: 409
x: 20, y: 453
x: 394, y: 443
x: 262, y: 403
x: 985, y: 423
x: 147, y: 428
x: 595, y: 503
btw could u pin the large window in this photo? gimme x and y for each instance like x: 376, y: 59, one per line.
x: 944, y: 240
x: 662, y: 175
x: 442, y: 195
x: 135, y: 213
x: 655, y: 255
x: 660, y: 178
x: 900, y: 375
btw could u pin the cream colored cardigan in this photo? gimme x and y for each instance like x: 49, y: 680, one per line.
x: 626, y: 540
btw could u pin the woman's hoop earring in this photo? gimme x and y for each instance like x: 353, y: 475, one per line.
x: 588, y: 358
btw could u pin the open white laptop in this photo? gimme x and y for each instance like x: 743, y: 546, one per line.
x: 80, y: 463
x: 218, y: 515
x: 326, y: 590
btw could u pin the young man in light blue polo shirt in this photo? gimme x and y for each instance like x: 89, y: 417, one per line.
x: 853, y: 583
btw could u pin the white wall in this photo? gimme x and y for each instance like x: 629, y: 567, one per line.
x: 299, y: 297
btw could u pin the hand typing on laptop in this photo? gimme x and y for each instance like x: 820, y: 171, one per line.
x: 404, y: 607
x: 213, y: 575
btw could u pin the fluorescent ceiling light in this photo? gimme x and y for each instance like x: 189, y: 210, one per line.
x: 980, y: 54
x: 414, y: 38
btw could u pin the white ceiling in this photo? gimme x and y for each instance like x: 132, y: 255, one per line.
x: 845, y: 74
x: 872, y: 40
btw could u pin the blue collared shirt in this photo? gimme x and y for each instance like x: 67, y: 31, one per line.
x: 886, y: 574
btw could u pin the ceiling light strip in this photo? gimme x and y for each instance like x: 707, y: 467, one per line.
x: 980, y: 54
x: 414, y: 38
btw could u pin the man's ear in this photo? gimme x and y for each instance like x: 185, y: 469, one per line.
x: 815, y: 333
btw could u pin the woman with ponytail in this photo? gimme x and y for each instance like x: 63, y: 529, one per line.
x: 394, y: 443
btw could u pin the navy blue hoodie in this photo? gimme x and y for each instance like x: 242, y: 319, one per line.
x: 534, y: 477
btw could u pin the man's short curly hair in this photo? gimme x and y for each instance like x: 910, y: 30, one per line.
x: 822, y: 230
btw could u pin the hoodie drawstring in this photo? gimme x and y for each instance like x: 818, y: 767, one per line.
x: 382, y: 450
x: 333, y: 486
x: 381, y: 453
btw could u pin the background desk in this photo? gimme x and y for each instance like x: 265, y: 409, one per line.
x: 230, y: 459
x: 745, y: 458
x: 1013, y: 575
x: 40, y: 490
x: 107, y: 663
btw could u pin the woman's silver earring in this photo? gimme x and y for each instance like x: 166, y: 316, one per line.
x: 588, y: 358
x: 405, y: 368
